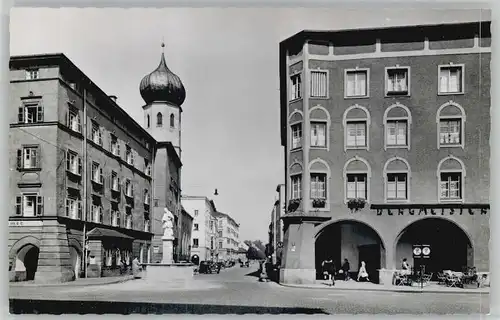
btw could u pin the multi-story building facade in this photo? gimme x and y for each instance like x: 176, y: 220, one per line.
x: 227, y: 237
x: 386, y: 140
x: 79, y: 164
x: 204, y: 235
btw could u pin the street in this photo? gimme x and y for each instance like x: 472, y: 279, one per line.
x: 234, y: 290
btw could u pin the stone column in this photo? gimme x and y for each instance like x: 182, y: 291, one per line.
x: 54, y: 262
x: 299, y: 258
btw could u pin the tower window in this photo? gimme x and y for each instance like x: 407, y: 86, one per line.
x: 159, y: 119
x: 172, y: 121
x: 148, y: 121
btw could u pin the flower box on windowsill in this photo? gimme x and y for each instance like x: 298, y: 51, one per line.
x: 356, y: 204
x: 293, y: 205
x: 319, y: 203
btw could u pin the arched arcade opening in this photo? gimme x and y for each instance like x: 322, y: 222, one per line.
x: 351, y: 240
x: 25, y: 263
x: 451, y: 248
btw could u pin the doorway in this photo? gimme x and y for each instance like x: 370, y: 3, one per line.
x: 370, y: 254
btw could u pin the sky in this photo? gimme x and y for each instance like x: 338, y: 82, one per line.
x: 227, y: 60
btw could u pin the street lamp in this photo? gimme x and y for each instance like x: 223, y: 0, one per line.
x: 216, y: 193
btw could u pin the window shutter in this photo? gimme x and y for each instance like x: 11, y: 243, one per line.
x: 34, y: 157
x: 68, y: 160
x: 20, y: 116
x: 19, y: 205
x: 118, y: 147
x: 101, y: 177
x: 80, y: 210
x: 67, y: 207
x: 119, y: 185
x: 79, y: 165
x: 39, y: 113
x: 66, y: 117
x: 79, y: 121
x: 39, y: 205
x: 19, y: 158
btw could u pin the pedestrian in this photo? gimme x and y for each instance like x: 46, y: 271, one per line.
x: 362, y: 274
x: 345, y: 269
x: 136, y: 268
x: 406, y: 267
x: 329, y: 270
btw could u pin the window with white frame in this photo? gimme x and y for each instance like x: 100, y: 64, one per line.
x: 73, y: 162
x: 296, y: 135
x: 115, y: 218
x: 73, y: 120
x: 319, y: 84
x: 147, y: 167
x: 97, y: 214
x: 450, y: 131
x: 96, y: 133
x: 30, y: 112
x: 129, y: 188
x: 318, y: 134
x: 97, y: 175
x: 397, y: 81
x: 28, y: 157
x: 115, y: 145
x: 296, y: 181
x: 450, y: 186
x: 32, y: 74
x: 318, y: 185
x: 128, y: 218
x: 397, y: 186
x: 295, y: 86
x: 195, y: 242
x: 73, y: 208
x: 129, y: 155
x: 29, y: 205
x: 115, y: 181
x: 356, y: 133
x: 159, y: 119
x: 357, y: 186
x: 147, y: 197
x: 356, y: 83
x: 451, y: 79
x: 396, y: 132
x: 196, y: 227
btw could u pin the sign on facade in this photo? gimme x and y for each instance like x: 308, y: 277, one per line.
x: 27, y: 223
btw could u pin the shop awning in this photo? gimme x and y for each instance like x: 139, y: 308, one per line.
x: 106, y: 233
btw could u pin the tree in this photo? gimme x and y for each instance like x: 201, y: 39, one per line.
x: 259, y: 245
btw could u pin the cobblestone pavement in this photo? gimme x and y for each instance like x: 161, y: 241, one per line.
x: 237, y: 290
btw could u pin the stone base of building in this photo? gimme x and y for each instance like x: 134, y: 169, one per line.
x: 51, y: 274
x: 297, y: 276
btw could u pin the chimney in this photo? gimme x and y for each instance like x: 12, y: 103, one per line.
x: 113, y: 98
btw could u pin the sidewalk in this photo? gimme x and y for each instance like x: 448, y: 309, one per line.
x: 77, y: 282
x: 364, y: 286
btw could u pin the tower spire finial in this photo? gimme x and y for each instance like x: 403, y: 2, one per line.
x: 162, y: 45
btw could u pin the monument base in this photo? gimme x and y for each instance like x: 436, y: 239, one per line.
x: 168, y: 251
x: 167, y: 272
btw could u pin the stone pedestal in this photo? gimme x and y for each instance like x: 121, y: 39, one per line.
x: 168, y: 250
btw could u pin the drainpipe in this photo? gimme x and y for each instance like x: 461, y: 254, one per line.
x: 84, y: 168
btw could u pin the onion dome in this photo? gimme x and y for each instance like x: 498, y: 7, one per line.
x: 162, y: 85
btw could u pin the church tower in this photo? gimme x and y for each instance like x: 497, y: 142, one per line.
x: 163, y: 93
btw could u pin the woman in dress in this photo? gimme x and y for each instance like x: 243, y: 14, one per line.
x: 362, y: 274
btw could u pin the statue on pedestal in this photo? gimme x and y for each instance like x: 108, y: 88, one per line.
x: 168, y: 224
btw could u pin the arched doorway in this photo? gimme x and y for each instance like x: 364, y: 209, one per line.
x: 76, y: 260
x: 451, y: 248
x: 26, y: 263
x: 352, y: 240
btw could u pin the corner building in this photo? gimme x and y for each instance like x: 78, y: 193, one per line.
x: 386, y: 140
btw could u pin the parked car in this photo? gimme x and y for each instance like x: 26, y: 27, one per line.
x: 208, y: 267
x: 244, y: 264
